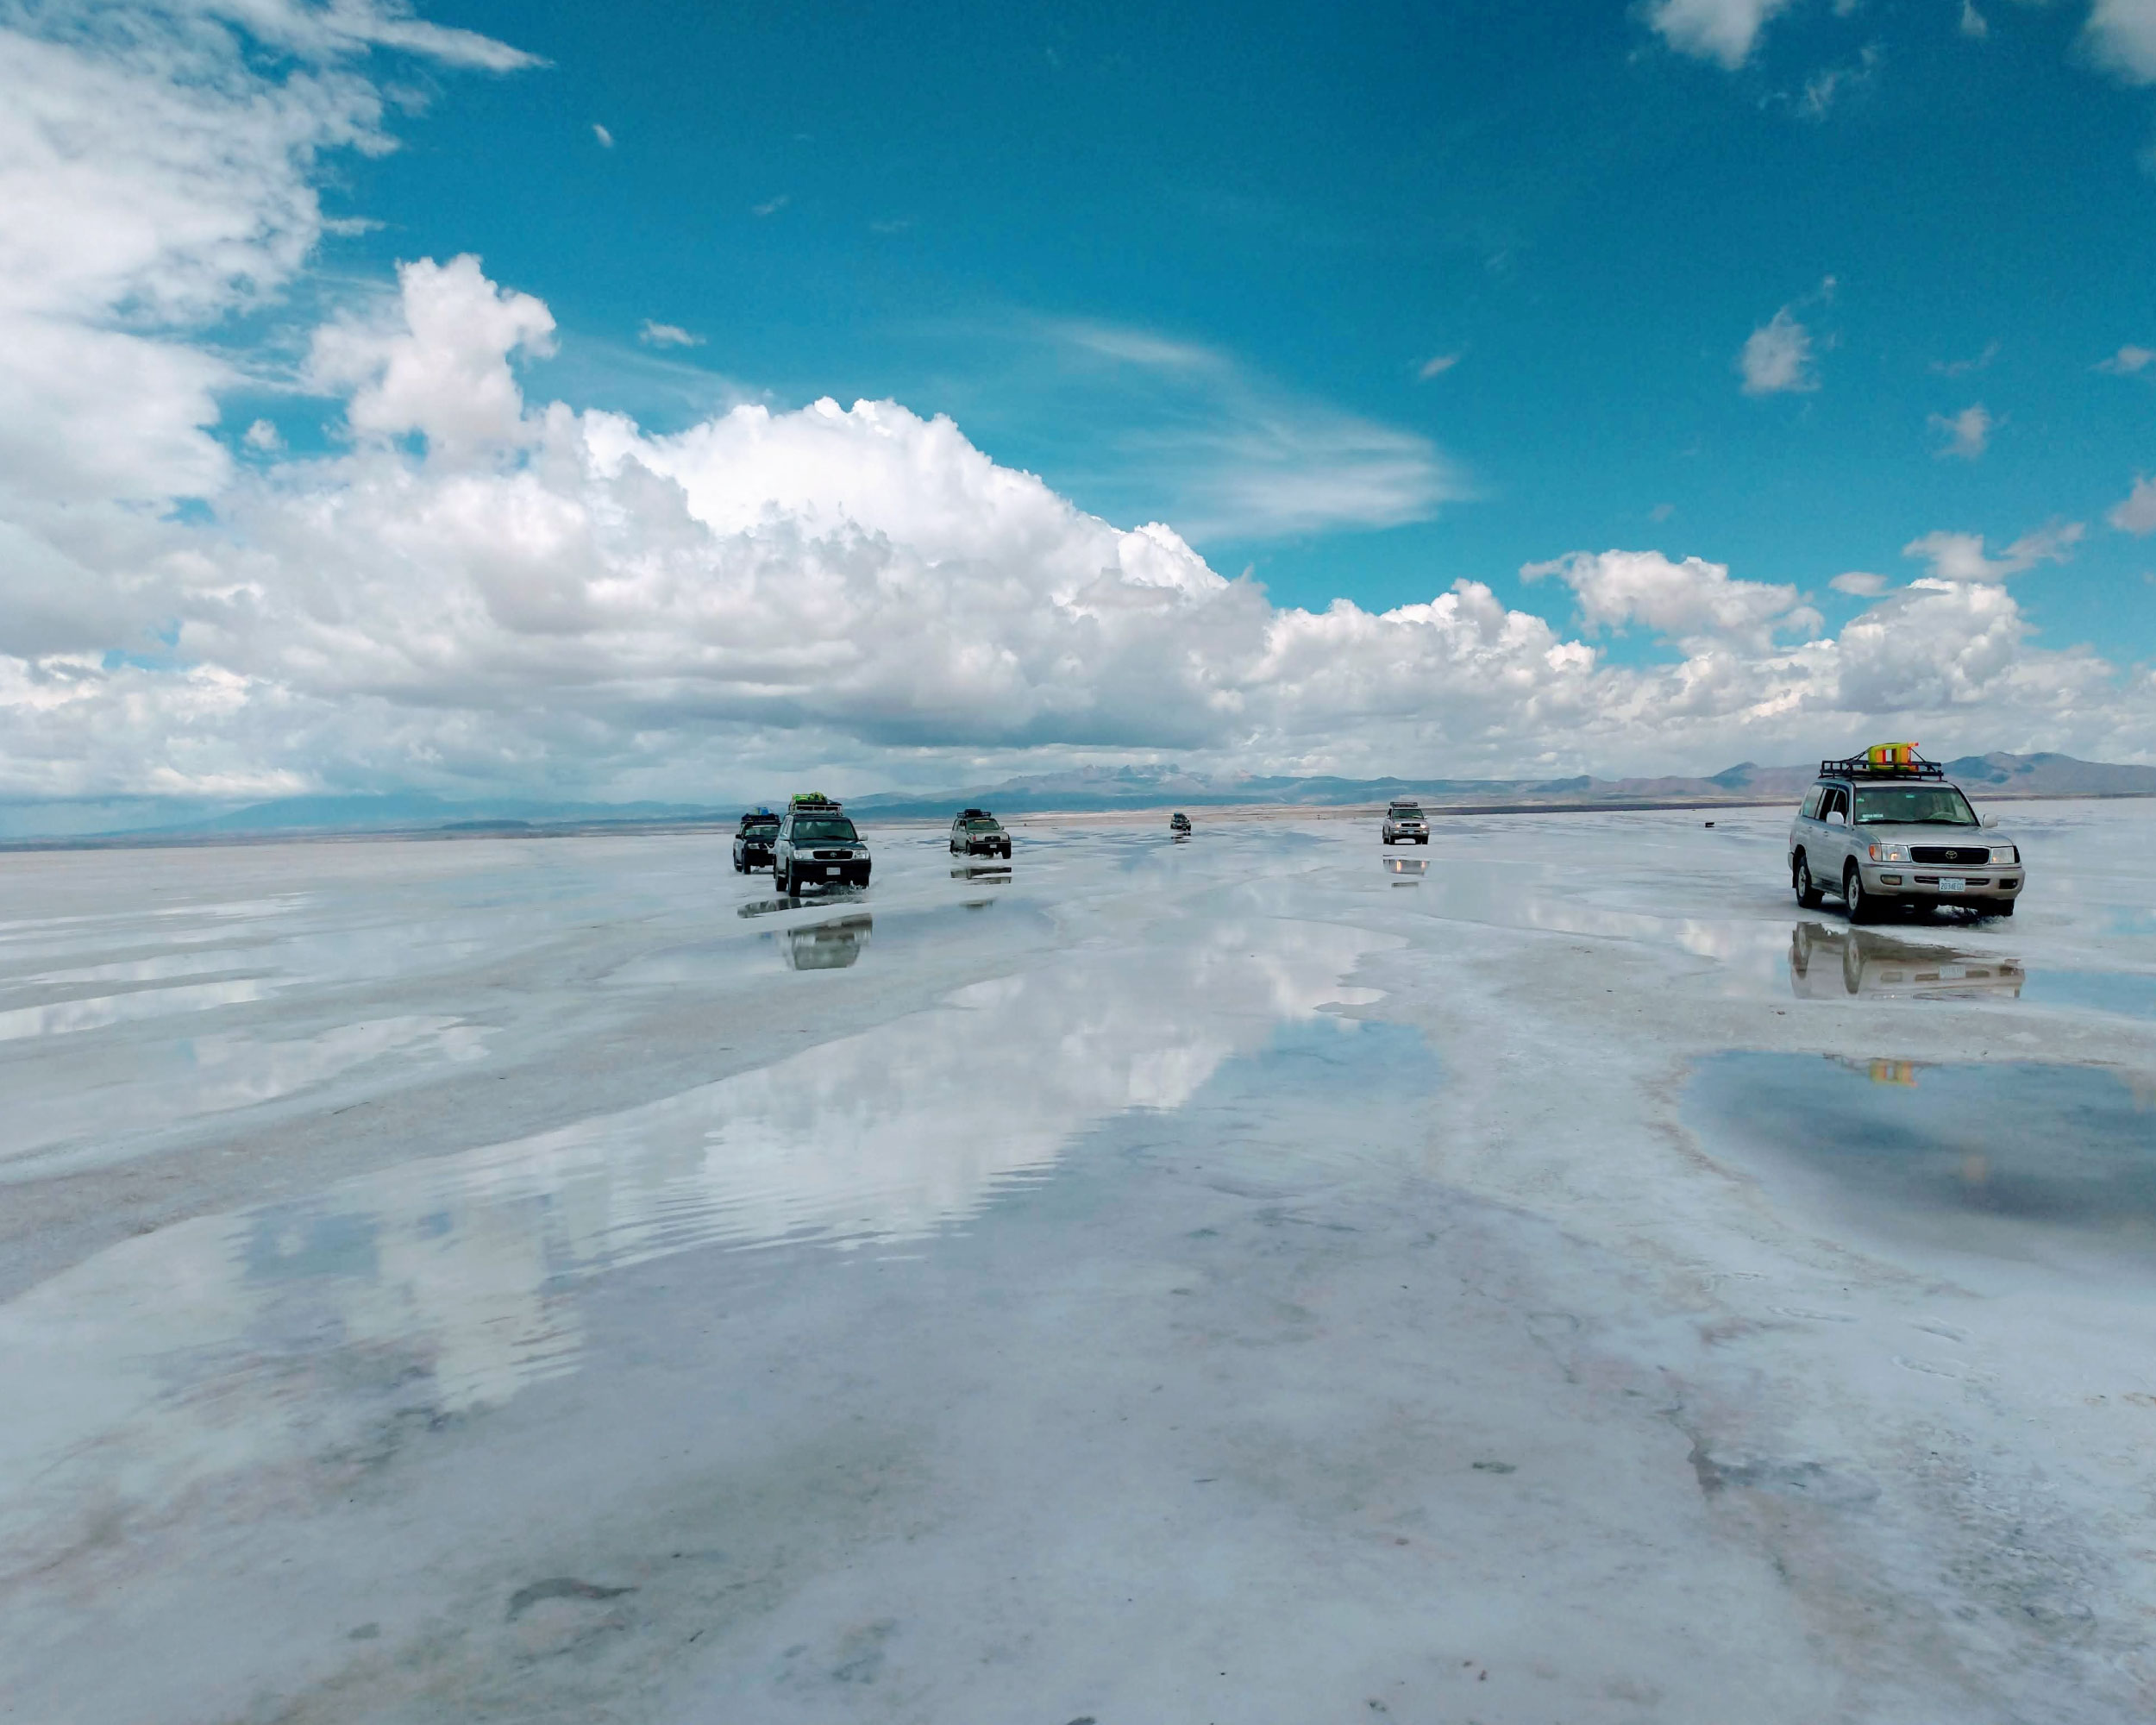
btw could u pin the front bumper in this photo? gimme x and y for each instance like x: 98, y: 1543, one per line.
x: 1923, y: 882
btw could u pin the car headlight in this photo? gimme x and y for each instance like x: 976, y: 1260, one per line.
x: 2005, y: 853
x: 1888, y: 853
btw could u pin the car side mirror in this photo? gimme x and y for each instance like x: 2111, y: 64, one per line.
x: 1992, y: 820
x: 1838, y: 818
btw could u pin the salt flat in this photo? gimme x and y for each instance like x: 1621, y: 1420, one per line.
x: 1545, y: 1276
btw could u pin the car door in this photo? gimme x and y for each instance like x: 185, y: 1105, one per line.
x: 1834, y: 835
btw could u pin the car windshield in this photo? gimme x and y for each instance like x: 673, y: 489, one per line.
x: 982, y: 826
x: 824, y: 829
x: 1914, y: 806
x: 1407, y: 814
x: 770, y: 826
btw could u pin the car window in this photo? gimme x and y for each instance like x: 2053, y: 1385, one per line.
x: 824, y: 830
x: 1914, y: 804
x: 1836, y: 801
x: 1813, y: 798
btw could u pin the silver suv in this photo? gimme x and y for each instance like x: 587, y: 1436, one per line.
x: 817, y: 845
x: 1888, y: 837
x: 1405, y: 823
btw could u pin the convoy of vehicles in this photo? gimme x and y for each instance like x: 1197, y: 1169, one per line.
x: 817, y: 845
x: 975, y: 832
x: 1886, y: 830
x: 1405, y: 823
x: 753, y: 840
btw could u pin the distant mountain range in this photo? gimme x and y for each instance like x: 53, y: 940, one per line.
x: 1079, y: 790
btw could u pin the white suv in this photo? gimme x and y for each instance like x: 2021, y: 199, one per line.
x: 1894, y: 836
x: 1405, y: 823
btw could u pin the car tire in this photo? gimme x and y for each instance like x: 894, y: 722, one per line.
x: 1387, y: 836
x: 1807, y: 893
x: 1860, y: 905
x: 1425, y: 840
x: 2004, y: 907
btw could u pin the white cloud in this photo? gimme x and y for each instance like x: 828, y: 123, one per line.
x: 1724, y: 31
x: 2136, y: 514
x: 772, y: 206
x: 1436, y: 365
x: 605, y: 138
x: 1824, y: 88
x: 1860, y: 582
x: 1777, y: 357
x: 1968, y: 433
x: 667, y: 336
x: 440, y: 367
x: 2120, y: 36
x: 1963, y: 367
x: 1972, y: 22
x: 1960, y: 556
x: 1690, y: 601
x: 263, y: 436
x: 483, y: 590
x: 2128, y: 361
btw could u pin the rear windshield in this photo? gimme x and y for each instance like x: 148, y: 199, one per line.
x: 824, y: 829
x: 760, y: 823
x: 1914, y: 805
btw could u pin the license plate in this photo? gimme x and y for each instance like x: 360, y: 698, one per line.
x: 832, y: 870
x: 1953, y: 883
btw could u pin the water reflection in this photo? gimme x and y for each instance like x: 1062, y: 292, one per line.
x: 304, y: 1328
x: 828, y: 945
x: 1828, y: 963
x: 757, y: 908
x: 1975, y: 1155
x: 991, y: 872
x: 1414, y: 866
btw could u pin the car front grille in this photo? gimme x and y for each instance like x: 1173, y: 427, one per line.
x: 1968, y: 854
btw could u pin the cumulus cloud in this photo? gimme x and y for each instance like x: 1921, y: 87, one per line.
x: 1724, y: 31
x: 477, y: 588
x: 1692, y: 600
x: 2120, y: 37
x: 1960, y: 556
x: 2136, y: 514
x: 1968, y: 433
x: 1777, y: 357
x: 2128, y: 361
x: 667, y: 336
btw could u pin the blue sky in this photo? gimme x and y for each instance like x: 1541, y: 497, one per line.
x: 1325, y: 199
x: 648, y: 400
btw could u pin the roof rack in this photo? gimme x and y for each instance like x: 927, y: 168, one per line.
x: 969, y: 814
x: 1865, y: 767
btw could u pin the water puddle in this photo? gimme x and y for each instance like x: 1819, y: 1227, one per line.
x: 1827, y: 963
x: 2128, y: 993
x: 294, y: 1330
x: 1996, y: 1158
x: 829, y: 945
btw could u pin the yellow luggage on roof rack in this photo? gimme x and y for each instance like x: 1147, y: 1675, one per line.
x: 1891, y: 754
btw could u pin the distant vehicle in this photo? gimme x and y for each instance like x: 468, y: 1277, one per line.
x: 817, y: 845
x: 975, y: 832
x: 1888, y: 830
x: 1831, y: 963
x: 1179, y: 822
x: 1405, y: 823
x: 752, y: 840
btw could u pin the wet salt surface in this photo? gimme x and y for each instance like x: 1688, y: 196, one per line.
x: 1162, y: 1281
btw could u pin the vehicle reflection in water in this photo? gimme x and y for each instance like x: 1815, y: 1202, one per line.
x: 304, y: 1328
x: 1832, y: 963
x: 757, y: 908
x: 991, y: 873
x: 828, y: 945
x: 1993, y: 1158
x: 1414, y: 868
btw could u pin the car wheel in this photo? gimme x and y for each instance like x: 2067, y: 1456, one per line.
x: 1387, y: 836
x: 1425, y: 840
x: 1858, y: 902
x: 1807, y: 893
x: 2004, y: 907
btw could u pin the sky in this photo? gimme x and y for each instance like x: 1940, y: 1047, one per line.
x: 674, y: 400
